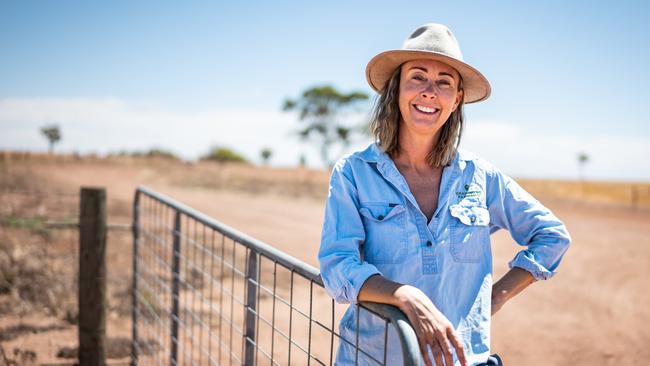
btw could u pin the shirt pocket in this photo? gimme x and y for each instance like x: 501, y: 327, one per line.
x: 470, y: 232
x: 386, y: 239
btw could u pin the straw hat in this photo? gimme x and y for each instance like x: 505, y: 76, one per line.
x: 434, y: 42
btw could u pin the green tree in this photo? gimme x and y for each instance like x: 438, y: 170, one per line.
x: 321, y: 108
x: 223, y: 154
x: 53, y: 135
x: 583, y: 159
x: 266, y: 154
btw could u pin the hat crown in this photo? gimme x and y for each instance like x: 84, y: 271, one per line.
x: 434, y: 38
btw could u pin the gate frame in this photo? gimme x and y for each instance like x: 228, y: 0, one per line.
x: 410, y: 347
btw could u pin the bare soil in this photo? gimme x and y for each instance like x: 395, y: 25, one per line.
x: 594, y: 311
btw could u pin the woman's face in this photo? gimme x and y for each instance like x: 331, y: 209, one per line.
x: 428, y: 94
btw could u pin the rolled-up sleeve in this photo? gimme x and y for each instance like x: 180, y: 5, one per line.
x: 342, y: 270
x: 530, y: 224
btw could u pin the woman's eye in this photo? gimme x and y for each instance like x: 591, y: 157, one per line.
x: 444, y: 83
x: 418, y: 77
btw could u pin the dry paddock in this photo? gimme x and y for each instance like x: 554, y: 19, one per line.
x: 594, y: 311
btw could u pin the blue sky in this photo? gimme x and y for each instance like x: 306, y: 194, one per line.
x: 566, y: 77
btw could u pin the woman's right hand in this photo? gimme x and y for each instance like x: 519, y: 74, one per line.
x: 431, y: 327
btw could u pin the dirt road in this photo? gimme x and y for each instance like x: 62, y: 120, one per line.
x: 594, y: 311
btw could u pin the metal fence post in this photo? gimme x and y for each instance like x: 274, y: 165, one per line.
x: 136, y: 237
x: 92, y: 277
x: 251, y: 308
x: 176, y: 270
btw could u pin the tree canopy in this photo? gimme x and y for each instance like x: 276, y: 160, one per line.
x: 53, y: 135
x: 223, y: 154
x: 321, y: 108
x: 266, y: 154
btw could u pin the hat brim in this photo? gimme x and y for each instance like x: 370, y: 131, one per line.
x: 381, y: 67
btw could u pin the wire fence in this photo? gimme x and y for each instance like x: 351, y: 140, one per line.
x: 210, y: 295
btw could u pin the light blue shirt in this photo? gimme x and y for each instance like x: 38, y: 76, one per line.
x: 373, y: 225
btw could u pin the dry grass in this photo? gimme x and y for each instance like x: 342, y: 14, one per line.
x: 613, y: 194
x: 283, y: 207
x: 295, y: 181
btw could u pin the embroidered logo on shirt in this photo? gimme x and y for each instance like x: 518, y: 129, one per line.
x: 471, y: 190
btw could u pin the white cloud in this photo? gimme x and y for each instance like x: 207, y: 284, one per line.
x: 104, y: 125
x: 522, y: 153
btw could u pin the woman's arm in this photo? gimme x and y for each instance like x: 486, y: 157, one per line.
x: 431, y: 326
x: 342, y: 269
x: 530, y: 224
x: 512, y: 283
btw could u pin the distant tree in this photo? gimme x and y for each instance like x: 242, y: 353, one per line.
x: 266, y: 154
x: 53, y: 135
x: 583, y: 159
x: 303, y: 160
x: 161, y: 153
x: 320, y: 107
x: 223, y: 154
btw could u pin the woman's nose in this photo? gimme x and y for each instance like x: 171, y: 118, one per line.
x: 429, y: 91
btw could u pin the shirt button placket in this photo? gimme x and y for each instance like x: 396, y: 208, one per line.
x: 429, y: 262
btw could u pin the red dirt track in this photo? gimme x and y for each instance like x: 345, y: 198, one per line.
x: 593, y: 312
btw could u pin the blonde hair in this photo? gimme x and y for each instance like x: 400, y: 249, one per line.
x: 385, y: 120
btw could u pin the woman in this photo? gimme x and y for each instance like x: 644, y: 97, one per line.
x: 408, y: 220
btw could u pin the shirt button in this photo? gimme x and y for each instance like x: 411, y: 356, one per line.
x: 429, y: 243
x: 380, y: 217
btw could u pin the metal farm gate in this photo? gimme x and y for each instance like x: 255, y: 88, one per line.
x: 206, y: 294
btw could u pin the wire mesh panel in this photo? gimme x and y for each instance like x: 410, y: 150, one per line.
x: 209, y: 295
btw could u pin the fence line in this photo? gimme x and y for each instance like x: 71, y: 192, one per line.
x: 213, y: 295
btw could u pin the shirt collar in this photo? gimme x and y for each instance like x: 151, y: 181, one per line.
x: 374, y: 154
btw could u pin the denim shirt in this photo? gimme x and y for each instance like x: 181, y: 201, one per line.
x: 373, y: 225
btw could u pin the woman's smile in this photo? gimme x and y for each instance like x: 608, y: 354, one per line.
x: 426, y: 110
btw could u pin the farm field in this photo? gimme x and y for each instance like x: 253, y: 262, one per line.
x: 592, y: 312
